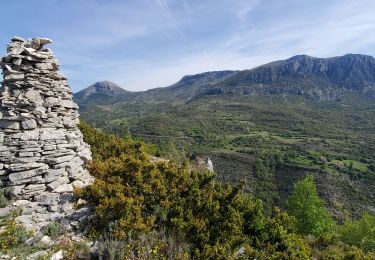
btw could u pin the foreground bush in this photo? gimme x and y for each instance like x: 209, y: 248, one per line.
x: 331, y: 248
x: 359, y: 233
x: 134, y: 196
x: 153, y: 245
x: 12, y: 234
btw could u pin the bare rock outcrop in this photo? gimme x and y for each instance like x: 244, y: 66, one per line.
x: 42, y: 152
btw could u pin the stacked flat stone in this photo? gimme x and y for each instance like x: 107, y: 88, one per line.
x: 42, y: 153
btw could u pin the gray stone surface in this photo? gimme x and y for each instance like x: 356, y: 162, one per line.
x: 46, y: 240
x: 37, y: 255
x: 29, y: 124
x: 42, y: 152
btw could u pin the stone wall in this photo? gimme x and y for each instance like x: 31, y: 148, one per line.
x: 42, y: 153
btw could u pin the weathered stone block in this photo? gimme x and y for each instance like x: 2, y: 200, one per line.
x: 47, y: 198
x: 6, y: 124
x: 29, y: 124
x: 17, y: 167
x: 60, y: 181
x: 64, y: 188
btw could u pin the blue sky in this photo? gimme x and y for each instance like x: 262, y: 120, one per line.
x: 142, y: 44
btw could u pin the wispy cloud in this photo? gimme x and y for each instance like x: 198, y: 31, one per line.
x: 186, y: 6
x: 166, y: 11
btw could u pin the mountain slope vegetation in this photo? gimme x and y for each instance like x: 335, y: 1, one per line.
x: 266, y: 127
x: 147, y: 209
x: 158, y: 210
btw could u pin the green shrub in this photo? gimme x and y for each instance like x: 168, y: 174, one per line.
x: 12, y: 234
x: 73, y: 250
x: 331, y: 248
x: 360, y: 233
x: 151, y: 245
x: 4, y: 197
x: 54, y: 229
x: 104, y: 146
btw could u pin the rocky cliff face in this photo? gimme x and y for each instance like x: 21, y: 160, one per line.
x: 302, y: 75
x: 42, y: 153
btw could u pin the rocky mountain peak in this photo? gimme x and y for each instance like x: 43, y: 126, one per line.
x: 301, y: 57
x: 303, y: 75
x: 104, y: 87
x: 102, y: 92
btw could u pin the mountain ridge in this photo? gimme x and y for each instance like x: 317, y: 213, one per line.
x: 317, y: 78
x: 302, y: 75
x: 316, y: 115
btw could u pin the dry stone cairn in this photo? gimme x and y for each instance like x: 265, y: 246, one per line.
x: 42, y: 153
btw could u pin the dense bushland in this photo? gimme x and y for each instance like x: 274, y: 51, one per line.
x: 162, y: 210
x: 334, y: 140
x: 132, y: 195
x: 135, y: 198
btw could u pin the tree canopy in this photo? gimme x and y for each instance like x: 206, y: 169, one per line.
x: 306, y: 206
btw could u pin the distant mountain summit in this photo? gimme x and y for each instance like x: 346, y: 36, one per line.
x: 101, y: 93
x: 105, y: 88
x: 301, y: 75
x: 322, y: 78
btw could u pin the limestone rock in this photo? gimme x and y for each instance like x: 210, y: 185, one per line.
x: 37, y: 255
x: 45, y: 41
x: 42, y: 153
x: 17, y: 39
x: 17, y: 167
x: 15, y: 176
x: 46, y: 240
x: 64, y: 188
x: 55, y: 184
x: 5, y: 211
x: 58, y: 255
x: 47, y: 199
x: 6, y: 124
